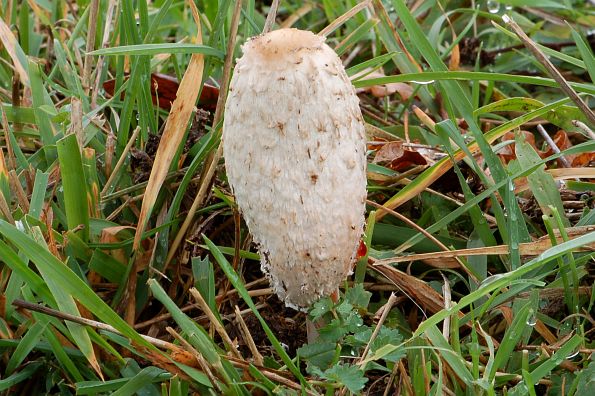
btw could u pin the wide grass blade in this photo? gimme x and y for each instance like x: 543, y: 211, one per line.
x: 585, y: 147
x: 585, y: 51
x: 28, y: 342
x: 123, y: 386
x: 196, y: 336
x: 74, y: 185
x: 68, y: 281
x: 448, y: 354
x: 541, y: 183
x: 41, y: 99
x: 139, y: 381
x: 25, y: 374
x: 67, y: 305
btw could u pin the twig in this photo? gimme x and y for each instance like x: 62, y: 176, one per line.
x: 5, y: 209
x: 88, y: 322
x: 91, y: 32
x: 424, y: 232
x: 214, y: 321
x: 553, y: 145
x: 341, y: 20
x: 106, y: 34
x: 12, y: 162
x: 120, y: 162
x: 554, y: 73
x: 271, y: 374
x: 587, y: 351
x: 554, y: 46
x: 447, y: 305
x: 219, y: 298
x: 584, y: 128
x: 258, y: 359
x: 391, y: 380
x: 140, y: 186
x: 270, y: 21
x: 406, y: 379
x: 199, y: 358
x: 385, y: 311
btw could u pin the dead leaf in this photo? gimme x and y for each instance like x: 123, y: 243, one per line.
x: 164, y: 89
x: 408, y: 160
x: 584, y: 160
x: 12, y: 47
x: 398, y: 158
x: 380, y: 91
x: 417, y: 289
x: 455, y: 58
x: 389, y: 152
x: 508, y: 153
x: 562, y: 141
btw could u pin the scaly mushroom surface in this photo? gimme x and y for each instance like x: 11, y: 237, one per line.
x: 294, y: 147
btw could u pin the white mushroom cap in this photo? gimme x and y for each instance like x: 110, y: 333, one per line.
x: 294, y: 146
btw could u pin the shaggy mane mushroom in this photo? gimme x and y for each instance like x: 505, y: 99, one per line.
x: 294, y: 147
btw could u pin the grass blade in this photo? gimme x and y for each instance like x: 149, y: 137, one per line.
x: 73, y: 182
x: 69, y: 281
x: 154, y: 49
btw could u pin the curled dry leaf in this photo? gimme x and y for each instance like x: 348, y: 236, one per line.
x: 164, y: 89
x: 562, y: 141
x: 380, y: 91
x: 417, y: 290
x: 389, y: 152
x: 583, y: 160
x: 399, y: 158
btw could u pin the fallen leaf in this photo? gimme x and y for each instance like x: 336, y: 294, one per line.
x: 380, y: 91
x: 376, y: 143
x: 562, y: 141
x: 408, y: 160
x: 584, y: 160
x: 164, y: 89
x: 388, y: 152
x: 398, y: 158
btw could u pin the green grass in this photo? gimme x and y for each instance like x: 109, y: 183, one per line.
x: 79, y: 237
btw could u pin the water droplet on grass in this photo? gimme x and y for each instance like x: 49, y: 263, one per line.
x: 423, y: 82
x: 493, y: 6
x: 574, y: 353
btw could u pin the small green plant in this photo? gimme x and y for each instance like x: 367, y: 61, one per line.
x: 338, y: 352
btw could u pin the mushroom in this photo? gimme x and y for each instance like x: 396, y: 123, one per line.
x: 295, y: 154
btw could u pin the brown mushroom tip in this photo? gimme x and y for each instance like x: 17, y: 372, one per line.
x: 278, y: 44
